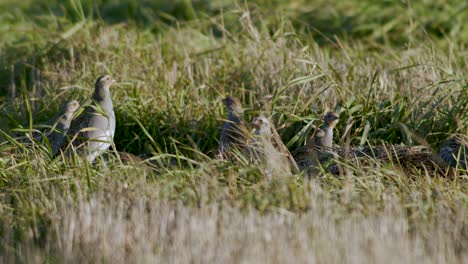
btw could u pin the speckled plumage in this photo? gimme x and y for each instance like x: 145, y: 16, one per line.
x: 410, y: 157
x: 407, y: 158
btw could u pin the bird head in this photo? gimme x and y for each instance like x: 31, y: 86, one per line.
x: 262, y: 125
x: 104, y: 82
x: 72, y: 106
x: 233, y: 105
x: 331, y: 119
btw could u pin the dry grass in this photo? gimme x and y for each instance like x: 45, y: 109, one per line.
x: 119, y: 226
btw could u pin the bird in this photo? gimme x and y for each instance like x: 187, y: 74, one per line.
x: 319, y: 148
x: 94, y: 130
x: 59, y: 127
x: 407, y: 158
x: 411, y: 158
x: 269, y: 148
x: 324, y: 136
x: 423, y: 157
x: 263, y: 126
x: 234, y: 133
x: 454, y: 151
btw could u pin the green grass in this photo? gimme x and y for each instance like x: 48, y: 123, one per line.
x: 396, y: 68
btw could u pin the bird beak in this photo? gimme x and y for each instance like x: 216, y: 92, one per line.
x: 113, y: 81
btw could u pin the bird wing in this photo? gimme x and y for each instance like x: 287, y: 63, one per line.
x: 80, y: 121
x: 318, y: 137
x: 454, y: 151
x: 58, y: 132
x: 54, y: 130
x: 234, y: 134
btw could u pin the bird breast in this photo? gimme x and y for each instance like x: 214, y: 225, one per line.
x: 329, y: 138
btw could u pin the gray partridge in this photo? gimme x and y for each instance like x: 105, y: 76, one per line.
x: 410, y: 158
x: 407, y: 158
x: 324, y: 135
x: 422, y: 158
x: 234, y: 133
x: 454, y: 151
x: 319, y: 148
x: 59, y: 127
x: 267, y: 130
x: 271, y: 150
x: 94, y: 130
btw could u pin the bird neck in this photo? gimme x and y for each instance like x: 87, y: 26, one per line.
x: 263, y: 134
x: 68, y: 115
x: 102, y: 96
x: 233, y: 117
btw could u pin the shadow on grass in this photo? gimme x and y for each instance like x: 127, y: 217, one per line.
x: 144, y: 13
x: 378, y: 22
x: 392, y: 23
x: 162, y: 133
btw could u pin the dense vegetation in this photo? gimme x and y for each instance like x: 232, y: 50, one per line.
x: 397, y: 68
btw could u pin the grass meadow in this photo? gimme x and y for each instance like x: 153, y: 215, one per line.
x: 397, y: 68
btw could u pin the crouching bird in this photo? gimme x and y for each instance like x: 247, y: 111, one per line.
x: 269, y: 148
x: 319, y: 148
x: 419, y: 158
x: 454, y: 151
x: 58, y: 127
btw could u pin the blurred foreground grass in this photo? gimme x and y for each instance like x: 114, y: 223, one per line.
x: 392, y: 66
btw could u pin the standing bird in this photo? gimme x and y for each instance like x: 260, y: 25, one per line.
x: 234, y: 133
x: 59, y: 127
x: 454, y: 151
x: 94, y: 129
x: 319, y: 148
x: 270, y: 148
